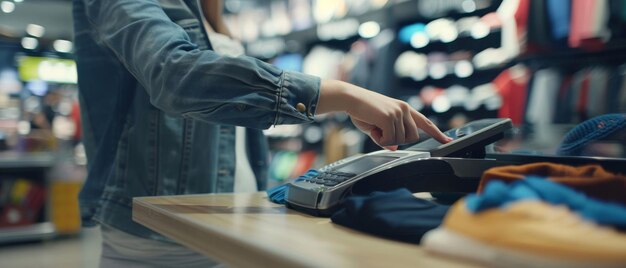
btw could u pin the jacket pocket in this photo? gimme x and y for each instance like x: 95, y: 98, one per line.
x: 171, y: 152
x: 195, y: 32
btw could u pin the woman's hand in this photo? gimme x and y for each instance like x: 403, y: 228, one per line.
x: 388, y: 121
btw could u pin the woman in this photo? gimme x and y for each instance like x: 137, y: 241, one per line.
x: 160, y: 105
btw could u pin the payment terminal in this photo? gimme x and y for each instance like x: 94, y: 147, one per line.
x: 428, y: 166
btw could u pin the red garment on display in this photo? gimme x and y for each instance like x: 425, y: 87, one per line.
x: 513, y: 93
x: 583, y: 19
x: 521, y: 17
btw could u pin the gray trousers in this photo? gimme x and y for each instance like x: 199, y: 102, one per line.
x: 120, y: 249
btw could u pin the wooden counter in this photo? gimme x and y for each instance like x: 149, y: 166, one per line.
x: 247, y: 230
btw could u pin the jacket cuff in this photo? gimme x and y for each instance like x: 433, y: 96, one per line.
x: 297, y: 98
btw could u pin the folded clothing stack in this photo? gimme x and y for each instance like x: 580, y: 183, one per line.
x: 535, y: 221
x: 592, y: 180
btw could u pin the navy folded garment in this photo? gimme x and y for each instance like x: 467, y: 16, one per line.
x: 499, y: 194
x: 277, y: 194
x: 396, y: 215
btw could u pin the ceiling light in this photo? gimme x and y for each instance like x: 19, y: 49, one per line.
x: 480, y: 30
x: 29, y: 43
x: 468, y: 6
x: 441, y: 104
x: 7, y: 6
x: 63, y: 46
x: 419, y: 40
x: 23, y: 127
x: 35, y: 30
x: 449, y: 34
x: 437, y: 70
x: 18, y: 1
x: 369, y: 29
x: 463, y: 69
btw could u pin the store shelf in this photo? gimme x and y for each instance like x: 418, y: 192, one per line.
x: 614, y: 52
x: 32, y: 232
x: 478, y: 77
x: 26, y: 160
x: 390, y: 16
x: 33, y: 167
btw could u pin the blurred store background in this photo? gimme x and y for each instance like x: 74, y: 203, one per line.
x: 548, y: 65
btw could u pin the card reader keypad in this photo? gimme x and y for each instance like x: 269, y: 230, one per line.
x: 331, y: 178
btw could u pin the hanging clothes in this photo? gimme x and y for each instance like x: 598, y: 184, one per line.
x: 542, y: 103
x: 589, y: 23
x: 596, y: 99
x: 512, y: 85
x: 539, y: 37
x: 559, y: 15
x: 563, y: 109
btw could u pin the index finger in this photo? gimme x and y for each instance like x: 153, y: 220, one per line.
x: 429, y: 127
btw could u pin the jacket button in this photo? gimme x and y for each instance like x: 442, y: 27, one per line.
x: 300, y: 107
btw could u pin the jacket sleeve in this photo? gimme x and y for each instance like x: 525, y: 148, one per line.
x: 183, y: 79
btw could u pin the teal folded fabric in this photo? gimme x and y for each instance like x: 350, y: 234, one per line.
x: 277, y: 194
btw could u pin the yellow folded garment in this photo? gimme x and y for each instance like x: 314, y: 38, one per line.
x: 592, y: 180
x: 539, y: 228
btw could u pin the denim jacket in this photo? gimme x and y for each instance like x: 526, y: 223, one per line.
x: 159, y: 106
